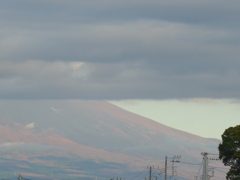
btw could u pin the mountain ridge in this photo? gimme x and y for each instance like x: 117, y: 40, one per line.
x: 94, y: 131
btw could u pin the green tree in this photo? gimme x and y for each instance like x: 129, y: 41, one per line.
x: 229, y: 152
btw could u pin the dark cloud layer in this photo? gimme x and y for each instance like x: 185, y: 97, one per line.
x: 119, y: 49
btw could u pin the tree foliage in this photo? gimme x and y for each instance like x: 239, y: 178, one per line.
x: 229, y: 152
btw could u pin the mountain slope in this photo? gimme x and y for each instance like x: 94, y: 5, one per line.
x: 96, y: 130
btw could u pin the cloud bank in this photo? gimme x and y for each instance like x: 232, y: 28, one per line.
x: 119, y: 50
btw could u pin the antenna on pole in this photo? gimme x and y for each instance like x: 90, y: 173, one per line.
x: 165, y: 177
x: 150, y: 173
x: 173, y: 167
x: 205, y: 166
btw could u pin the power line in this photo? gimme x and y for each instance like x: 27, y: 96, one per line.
x: 220, y: 167
x: 190, y: 163
x: 139, y: 173
x: 213, y: 154
x: 169, y: 171
x: 199, y: 169
x: 126, y: 175
x: 141, y: 176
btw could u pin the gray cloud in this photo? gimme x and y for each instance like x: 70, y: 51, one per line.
x: 137, y: 49
x: 59, y: 80
x: 216, y: 13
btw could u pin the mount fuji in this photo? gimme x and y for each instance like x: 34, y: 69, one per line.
x: 70, y: 139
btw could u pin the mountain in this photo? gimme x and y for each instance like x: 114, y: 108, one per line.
x: 85, y: 139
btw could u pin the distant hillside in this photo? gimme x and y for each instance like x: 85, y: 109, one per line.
x: 99, y: 133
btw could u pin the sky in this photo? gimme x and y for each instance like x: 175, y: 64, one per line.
x: 204, y: 117
x: 146, y: 51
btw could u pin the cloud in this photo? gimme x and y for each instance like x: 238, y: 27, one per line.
x: 202, y: 12
x: 119, y: 50
x: 30, y: 125
x: 126, y: 80
x: 159, y: 42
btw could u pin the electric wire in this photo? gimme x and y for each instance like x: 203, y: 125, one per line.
x: 190, y: 163
x: 139, y: 173
x: 220, y: 167
x: 200, y: 169
x: 115, y: 175
x: 157, y: 170
x: 213, y: 154
x: 186, y: 175
x: 123, y: 175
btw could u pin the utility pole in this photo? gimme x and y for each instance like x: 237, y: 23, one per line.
x: 165, y: 178
x: 173, y: 160
x: 205, y: 166
x: 19, y: 177
x: 150, y: 173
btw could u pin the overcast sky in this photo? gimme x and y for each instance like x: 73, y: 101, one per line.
x: 113, y: 50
